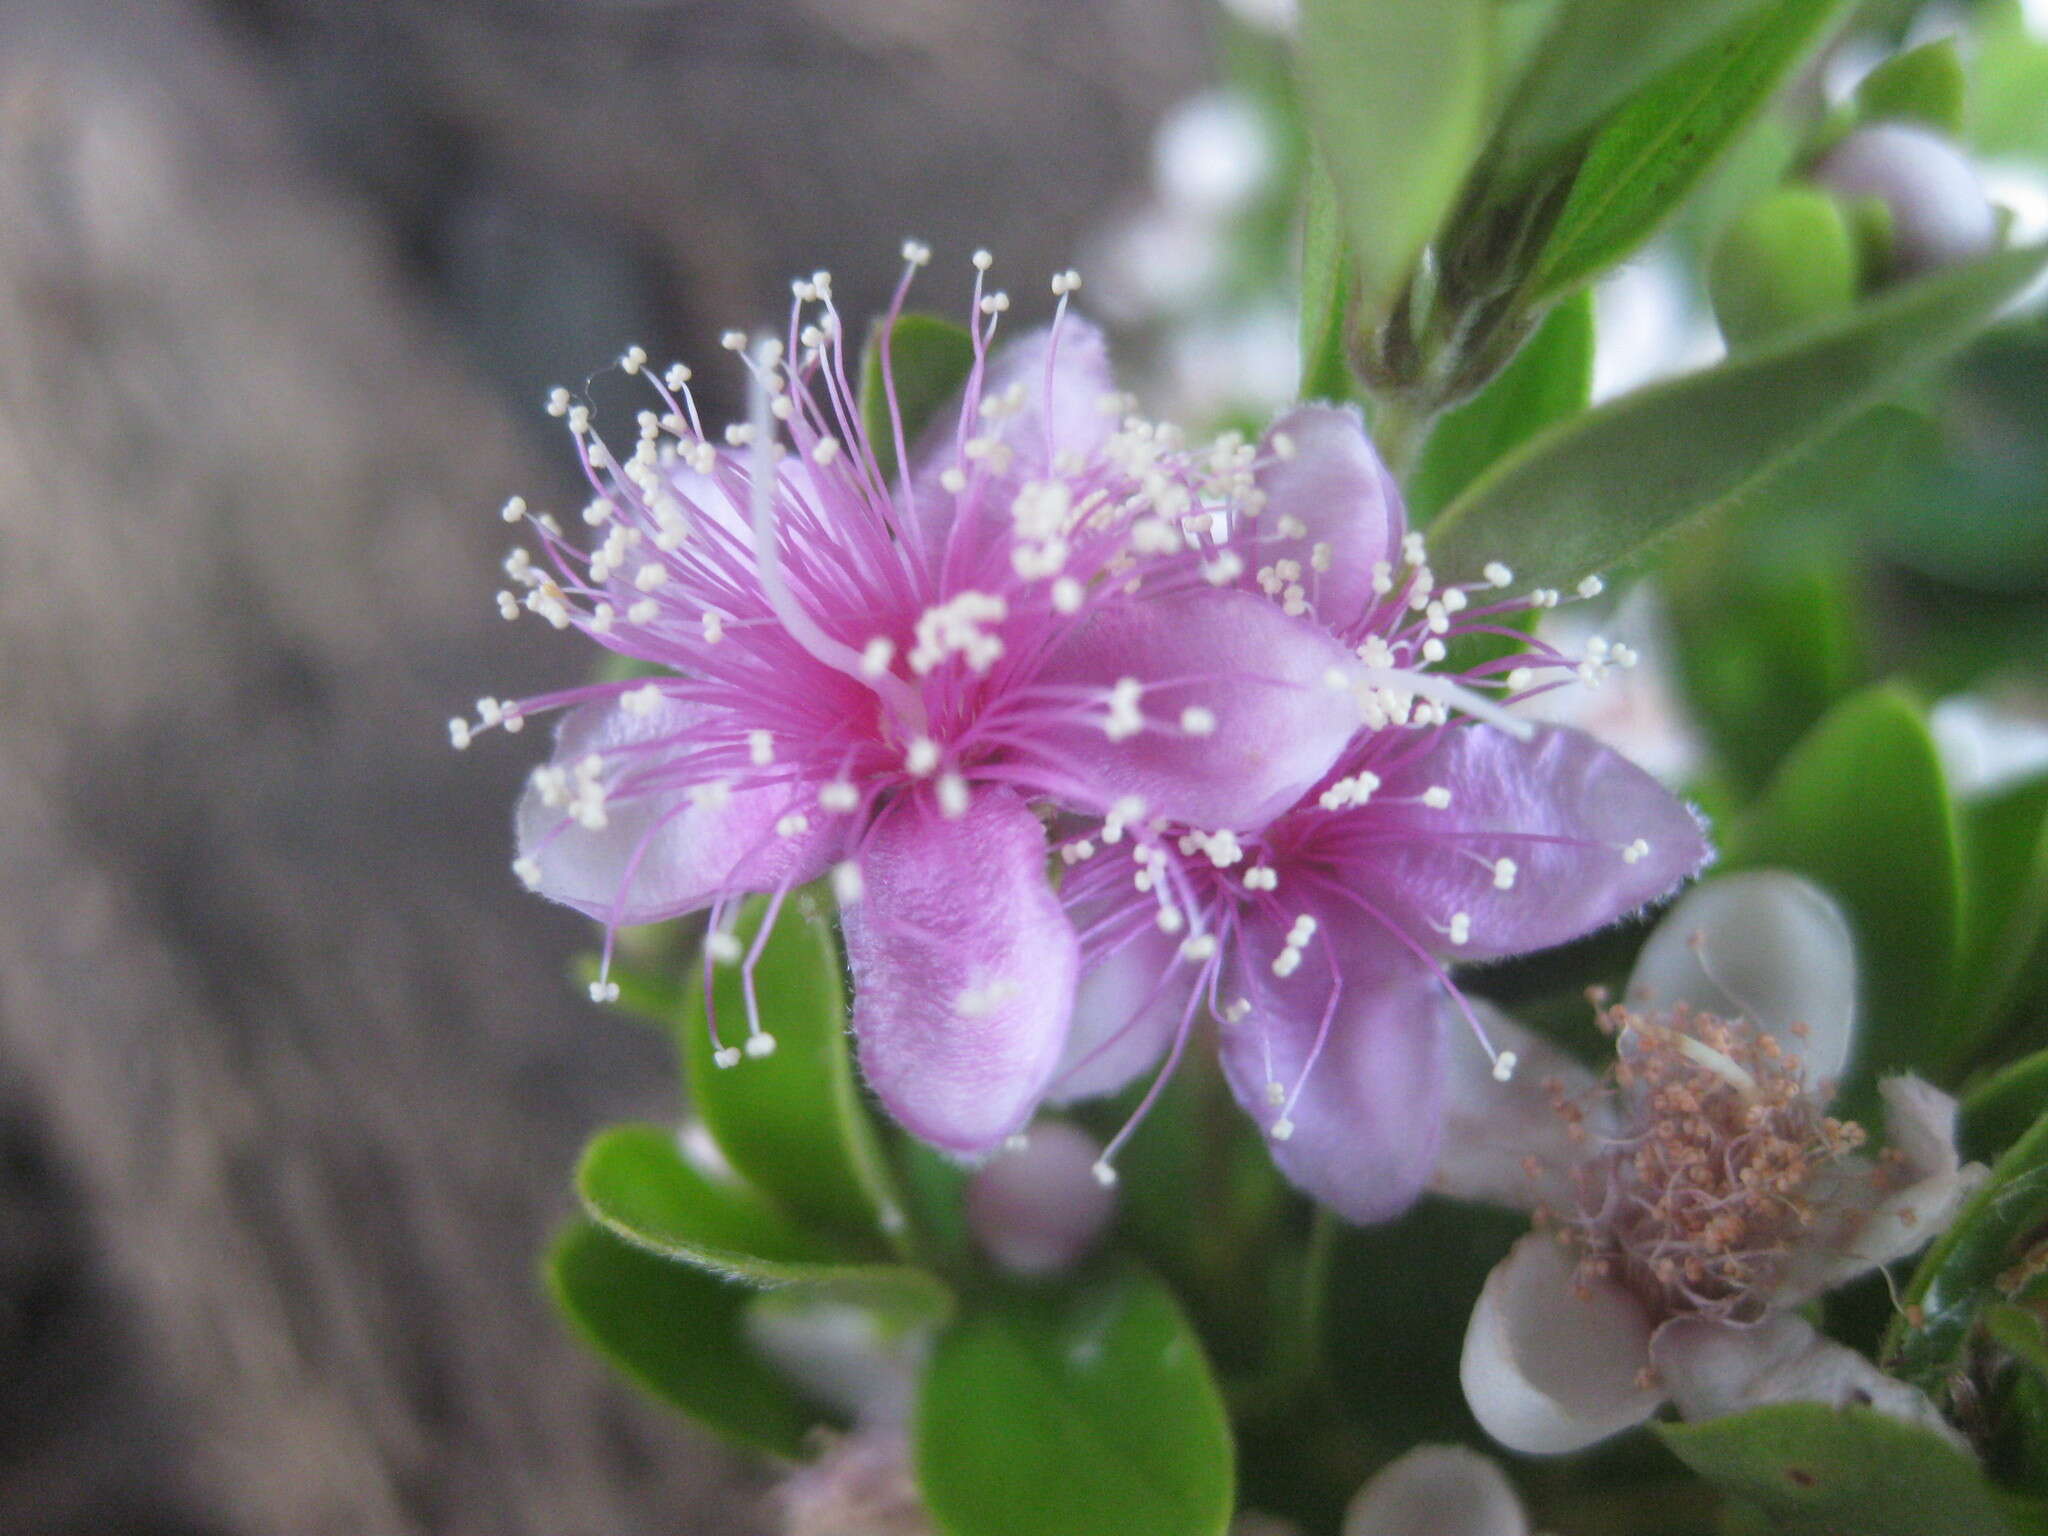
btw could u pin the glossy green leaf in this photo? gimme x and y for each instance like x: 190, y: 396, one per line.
x: 676, y: 1332
x: 2005, y: 955
x: 1861, y: 808
x: 1960, y: 1275
x: 1325, y: 289
x: 1603, y: 486
x: 1598, y: 53
x: 1655, y: 149
x: 1089, y: 1414
x: 1923, y: 84
x: 929, y: 360
x: 1822, y: 1471
x: 1394, y: 92
x: 793, y: 1123
x: 1549, y: 380
x: 635, y: 1182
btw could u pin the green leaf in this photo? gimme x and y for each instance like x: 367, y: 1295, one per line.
x: 1597, y: 54
x: 929, y: 360
x: 1861, y: 808
x: 634, y: 1181
x: 1325, y: 289
x: 793, y: 1122
x: 1655, y: 149
x: 1550, y: 380
x: 1395, y: 94
x: 1834, y: 1472
x: 1597, y: 489
x: 2005, y: 955
x: 1923, y: 84
x: 676, y: 1332
x: 1789, y: 261
x: 1959, y: 1277
x: 1090, y: 1415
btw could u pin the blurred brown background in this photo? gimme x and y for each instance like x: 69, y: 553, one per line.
x: 290, y: 1078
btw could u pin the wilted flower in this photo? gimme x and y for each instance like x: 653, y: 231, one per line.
x: 880, y: 679
x: 1687, y: 1204
x: 1317, y: 930
x: 1437, y: 1490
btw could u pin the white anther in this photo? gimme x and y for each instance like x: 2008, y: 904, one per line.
x: 644, y: 700
x: 459, y: 734
x: 724, y: 948
x: 1498, y: 574
x: 713, y: 794
x: 514, y: 509
x: 678, y: 375
x: 1236, y: 1011
x: 1123, y: 718
x: 714, y: 627
x: 527, y: 869
x: 1198, y: 721
x: 983, y: 261
x: 1201, y: 947
x: 733, y: 341
x: 921, y: 757
x: 916, y: 252
x: 1433, y: 650
x: 1283, y: 1129
x: 1504, y: 1066
x: 876, y: 655
x: 838, y: 795
x: 1170, y: 920
x: 558, y: 401
x: 1635, y: 852
x: 1105, y: 1175
x: 951, y: 792
x: 1437, y: 797
x: 1283, y: 446
x: 650, y: 576
x: 1592, y: 586
x: 634, y: 360
x: 1287, y: 962
x: 1067, y: 594
x: 726, y: 1056
x: 1262, y: 877
x: 1276, y: 1093
x: 1504, y: 871
x: 847, y: 884
x: 760, y: 748
x: 508, y: 606
x: 604, y: 991
x: 795, y: 824
x: 1461, y: 927
x: 645, y: 611
x: 760, y: 1045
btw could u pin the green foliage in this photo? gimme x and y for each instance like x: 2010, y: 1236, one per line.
x: 1656, y: 148
x: 635, y: 1182
x: 1597, y: 54
x: 2005, y: 966
x: 1550, y: 380
x: 1820, y: 1471
x: 1923, y: 85
x: 929, y: 360
x: 1395, y: 96
x: 792, y: 1123
x: 1326, y: 285
x: 1998, y: 1111
x: 1787, y: 262
x: 1576, y: 498
x: 1963, y: 1273
x: 1091, y: 1414
x: 1861, y: 808
x: 676, y: 1332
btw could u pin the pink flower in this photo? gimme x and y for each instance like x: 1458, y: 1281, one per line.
x: 1317, y: 928
x: 881, y: 679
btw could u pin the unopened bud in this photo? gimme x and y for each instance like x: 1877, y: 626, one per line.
x: 1038, y: 1209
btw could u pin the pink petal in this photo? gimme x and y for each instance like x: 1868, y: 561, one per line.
x: 1332, y: 482
x: 1126, y: 1010
x: 1508, y: 798
x: 1551, y: 1365
x: 1037, y: 1208
x: 659, y: 855
x: 963, y: 966
x: 1278, y: 726
x: 1363, y: 1133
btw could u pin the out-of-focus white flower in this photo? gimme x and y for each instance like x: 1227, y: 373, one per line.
x: 1688, y: 1204
x: 1634, y: 708
x: 1987, y: 744
x: 1651, y: 324
x: 1212, y: 154
x: 1246, y: 360
x: 1153, y: 261
x: 1280, y: 16
x: 1437, y: 1490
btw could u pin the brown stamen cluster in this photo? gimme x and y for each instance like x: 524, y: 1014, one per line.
x: 1724, y: 1164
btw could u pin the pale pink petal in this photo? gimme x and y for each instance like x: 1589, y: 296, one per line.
x: 659, y: 852
x: 1588, y: 838
x: 1711, y: 1369
x: 1127, y: 1008
x: 1037, y: 1208
x: 963, y: 965
x: 1330, y: 483
x: 1437, y: 1490
x: 1506, y: 1143
x: 1762, y: 945
x: 1274, y: 725
x: 1550, y: 1364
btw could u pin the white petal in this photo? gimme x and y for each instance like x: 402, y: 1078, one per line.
x: 1493, y: 1128
x: 1550, y: 1366
x: 1715, y: 1368
x: 1766, y: 946
x: 1928, y: 1189
x: 1437, y: 1490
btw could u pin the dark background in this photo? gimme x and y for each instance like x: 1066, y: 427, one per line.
x: 290, y: 1078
